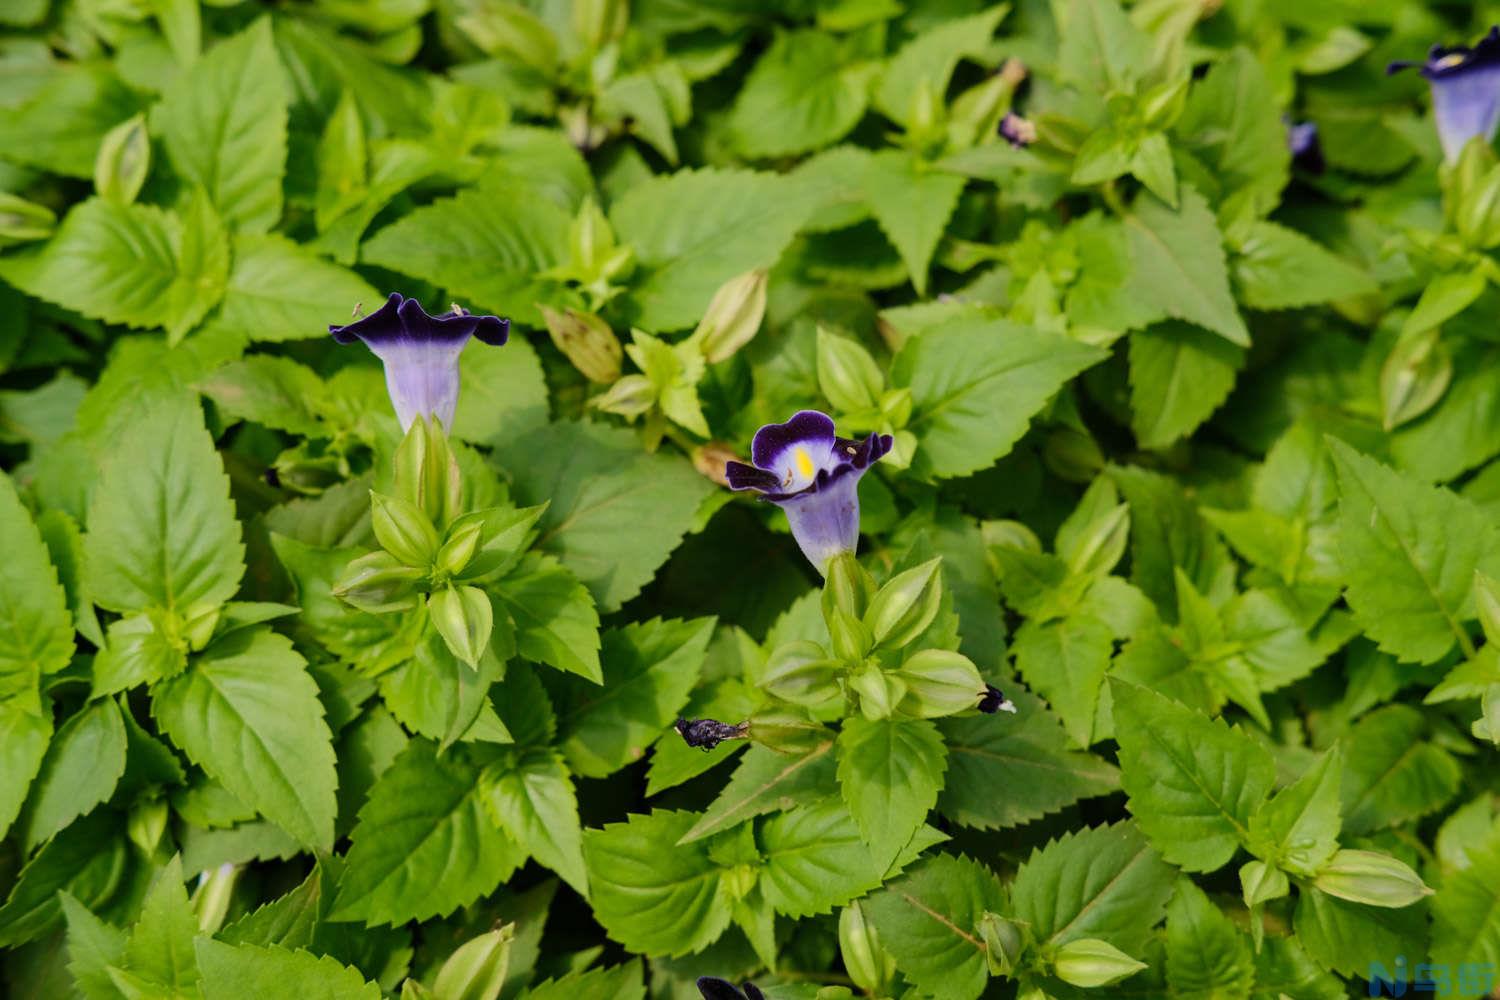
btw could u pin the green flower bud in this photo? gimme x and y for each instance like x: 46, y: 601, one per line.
x: 456, y: 552
x: 427, y: 473
x: 630, y: 397
x: 123, y: 161
x: 939, y: 683
x: 1487, y: 726
x: 1089, y: 963
x: 852, y: 639
x: 879, y: 691
x: 869, y: 965
x: 198, y: 624
x: 1010, y: 535
x: 1371, y: 878
x: 506, y: 28
x: 1487, y: 601
x: 147, y: 825
x: 903, y: 608
x: 212, y: 897
x: 1414, y: 377
x: 895, y: 406
x: 1261, y: 883
x: 1004, y: 942
x: 403, y: 530
x: 413, y: 990
x: 1072, y: 455
x: 505, y: 534
x: 847, y: 375
x: 586, y: 341
x: 801, y: 673
x: 787, y: 730
x: 599, y: 22
x: 464, y: 618
x: 378, y: 583
x: 847, y: 586
x: 476, y: 971
x: 23, y: 221
x: 733, y: 316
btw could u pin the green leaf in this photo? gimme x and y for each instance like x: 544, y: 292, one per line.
x: 652, y: 666
x: 1193, y: 782
x: 531, y: 796
x: 1179, y: 375
x: 932, y: 56
x: 975, y: 386
x: 695, y: 229
x: 24, y: 733
x: 160, y: 949
x: 555, y: 619
x: 93, y: 946
x: 767, y: 781
x: 1025, y: 754
x: 60, y: 126
x: 487, y: 246
x: 1233, y: 123
x: 224, y: 123
x: 1167, y: 532
x: 1207, y: 956
x: 928, y: 920
x: 912, y: 203
x: 272, y: 391
x: 277, y: 291
x: 1347, y: 937
x: 614, y: 514
x: 1102, y: 882
x: 1064, y: 661
x: 1466, y: 909
x: 1392, y: 776
x: 652, y: 893
x: 36, y: 631
x: 1298, y: 829
x: 231, y: 971
x: 247, y: 712
x: 1178, y: 264
x: 425, y: 843
x: 87, y: 859
x: 618, y: 982
x: 84, y: 762
x: 1279, y: 268
x: 1409, y: 552
x: 890, y: 772
x: 1101, y: 49
x: 803, y: 94
x: 132, y: 264
x: 162, y: 531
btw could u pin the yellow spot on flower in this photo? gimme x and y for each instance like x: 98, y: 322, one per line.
x: 1450, y: 60
x: 804, y: 463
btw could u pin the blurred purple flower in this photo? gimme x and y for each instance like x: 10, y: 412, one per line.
x: 714, y: 988
x: 1465, y: 86
x: 1307, y: 150
x: 1017, y: 131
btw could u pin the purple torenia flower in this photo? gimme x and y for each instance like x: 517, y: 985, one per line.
x: 813, y: 475
x: 1307, y: 150
x: 1465, y: 86
x: 420, y: 353
x: 1017, y: 131
x: 714, y: 988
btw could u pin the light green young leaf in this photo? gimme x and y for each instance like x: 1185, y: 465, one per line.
x: 58, y: 128
x: 815, y: 860
x: 1103, y: 882
x: 87, y: 859
x: 531, y: 796
x: 84, y: 762
x: 618, y: 982
x: 232, y: 971
x: 1298, y: 828
x: 1233, y: 123
x: 975, y: 386
x: 932, y: 56
x: 1064, y: 661
x: 1101, y: 49
x: 162, y: 530
x: 928, y: 919
x: 24, y: 733
x: 556, y: 622
x: 1178, y: 264
x: 652, y: 666
x: 1026, y: 754
x: 93, y: 946
x: 1279, y: 268
x: 1409, y: 552
x: 614, y: 514
x: 1179, y: 375
x: 247, y: 712
x: 890, y: 772
x: 1193, y: 782
x: 651, y: 893
x: 425, y: 843
x: 160, y: 950
x: 1167, y: 532
x: 803, y: 94
x: 272, y: 391
x: 224, y: 122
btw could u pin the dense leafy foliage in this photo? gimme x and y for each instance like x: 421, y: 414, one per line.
x: 1164, y: 337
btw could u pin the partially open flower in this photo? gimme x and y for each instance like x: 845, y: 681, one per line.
x: 812, y: 475
x: 1465, y: 86
x: 1017, y: 131
x: 420, y: 353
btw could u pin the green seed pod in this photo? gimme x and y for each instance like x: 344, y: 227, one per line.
x: 476, y: 971
x: 903, y: 608
x: 378, y: 583
x: 1089, y: 963
x: 123, y: 161
x: 1261, y: 883
x: 586, y: 341
x: 464, y: 618
x: 1371, y: 878
x: 939, y: 683
x: 1004, y: 943
x: 870, y: 965
x: 403, y: 529
x: 733, y: 316
x: 801, y: 673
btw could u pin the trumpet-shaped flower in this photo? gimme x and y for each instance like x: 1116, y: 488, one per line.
x: 813, y: 475
x: 1465, y: 86
x: 420, y: 353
